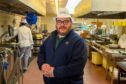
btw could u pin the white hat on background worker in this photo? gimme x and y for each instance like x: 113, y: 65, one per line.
x: 24, y: 21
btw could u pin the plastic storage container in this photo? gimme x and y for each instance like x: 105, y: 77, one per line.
x: 96, y: 58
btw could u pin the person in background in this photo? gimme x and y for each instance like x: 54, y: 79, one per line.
x: 24, y: 37
x: 25, y: 42
x: 44, y: 33
x: 63, y: 55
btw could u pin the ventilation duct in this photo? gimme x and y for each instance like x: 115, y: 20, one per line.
x: 100, y: 8
x: 23, y: 6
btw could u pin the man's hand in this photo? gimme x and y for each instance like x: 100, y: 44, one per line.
x: 47, y: 70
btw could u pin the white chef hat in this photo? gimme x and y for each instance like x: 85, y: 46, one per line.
x: 63, y: 12
x: 24, y: 21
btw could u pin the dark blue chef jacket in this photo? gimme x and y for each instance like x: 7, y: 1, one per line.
x: 69, y: 58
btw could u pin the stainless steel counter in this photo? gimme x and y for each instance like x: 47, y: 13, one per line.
x: 112, y: 55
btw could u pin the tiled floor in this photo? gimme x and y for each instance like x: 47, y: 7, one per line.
x: 33, y: 75
x: 93, y: 74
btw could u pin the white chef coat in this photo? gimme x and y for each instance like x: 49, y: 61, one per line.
x: 25, y: 36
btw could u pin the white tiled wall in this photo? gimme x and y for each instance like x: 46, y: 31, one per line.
x: 50, y: 22
x: 7, y: 19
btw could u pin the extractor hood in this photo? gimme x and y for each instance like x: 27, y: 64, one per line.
x: 38, y: 5
x: 23, y: 6
x: 101, y: 8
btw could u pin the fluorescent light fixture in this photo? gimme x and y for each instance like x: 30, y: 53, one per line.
x: 56, y: 2
x: 71, y: 4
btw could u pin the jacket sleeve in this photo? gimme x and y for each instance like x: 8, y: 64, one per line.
x: 41, y: 56
x: 77, y: 62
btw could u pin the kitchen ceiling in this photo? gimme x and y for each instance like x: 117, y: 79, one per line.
x: 52, y: 6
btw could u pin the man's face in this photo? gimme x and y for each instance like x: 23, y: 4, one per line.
x: 63, y: 25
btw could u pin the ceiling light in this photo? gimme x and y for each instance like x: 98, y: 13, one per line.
x: 71, y: 4
x: 56, y: 2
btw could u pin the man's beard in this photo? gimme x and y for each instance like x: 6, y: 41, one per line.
x: 63, y: 33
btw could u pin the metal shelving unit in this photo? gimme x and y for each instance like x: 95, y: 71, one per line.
x: 37, y: 43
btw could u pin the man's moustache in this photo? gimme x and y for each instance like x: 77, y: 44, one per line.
x: 62, y: 27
